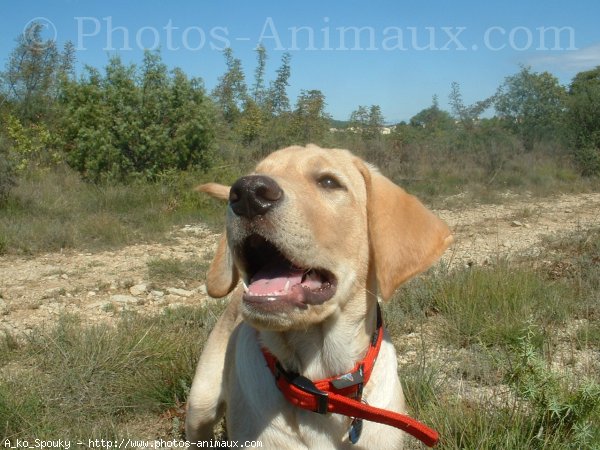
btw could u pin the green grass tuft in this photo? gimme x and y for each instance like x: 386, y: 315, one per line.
x: 80, y: 381
x: 54, y: 210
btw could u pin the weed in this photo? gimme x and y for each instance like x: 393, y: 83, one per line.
x: 54, y: 210
x: 560, y: 406
x: 81, y: 381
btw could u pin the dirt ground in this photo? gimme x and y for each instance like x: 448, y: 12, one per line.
x: 36, y: 290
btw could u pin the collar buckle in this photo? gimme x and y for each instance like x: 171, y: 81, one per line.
x: 306, y: 385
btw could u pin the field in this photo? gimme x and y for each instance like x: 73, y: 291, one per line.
x: 499, y: 344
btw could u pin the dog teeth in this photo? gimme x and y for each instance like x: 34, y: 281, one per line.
x: 287, y: 286
x: 245, y: 286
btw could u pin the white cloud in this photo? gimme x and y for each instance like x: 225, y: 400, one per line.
x: 571, y: 60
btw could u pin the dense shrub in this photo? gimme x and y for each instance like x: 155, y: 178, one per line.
x: 584, y: 120
x: 136, y: 122
x: 7, y: 172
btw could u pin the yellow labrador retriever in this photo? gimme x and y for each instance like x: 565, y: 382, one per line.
x: 315, y: 235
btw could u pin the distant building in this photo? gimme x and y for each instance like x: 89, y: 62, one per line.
x: 382, y: 130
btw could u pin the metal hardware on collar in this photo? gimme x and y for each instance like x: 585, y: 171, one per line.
x: 349, y: 379
x: 355, y: 430
x: 323, y: 396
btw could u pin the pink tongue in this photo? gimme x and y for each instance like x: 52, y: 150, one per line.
x: 274, y: 278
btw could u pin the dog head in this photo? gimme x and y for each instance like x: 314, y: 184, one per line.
x: 306, y: 230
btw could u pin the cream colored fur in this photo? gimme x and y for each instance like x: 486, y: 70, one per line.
x: 372, y: 236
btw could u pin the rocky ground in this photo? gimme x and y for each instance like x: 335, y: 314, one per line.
x: 36, y: 290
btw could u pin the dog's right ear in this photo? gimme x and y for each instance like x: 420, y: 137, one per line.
x: 215, y: 190
x: 222, y: 275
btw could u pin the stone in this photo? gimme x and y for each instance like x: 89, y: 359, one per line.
x: 124, y: 299
x: 53, y: 292
x: 179, y: 292
x: 516, y: 223
x: 138, y: 289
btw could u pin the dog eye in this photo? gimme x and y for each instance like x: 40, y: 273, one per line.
x: 329, y: 182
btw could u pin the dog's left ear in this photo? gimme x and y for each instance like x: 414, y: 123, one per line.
x: 404, y: 236
x: 222, y: 275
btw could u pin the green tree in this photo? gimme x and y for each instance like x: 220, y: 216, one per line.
x: 359, y: 118
x: 367, y: 121
x: 231, y: 92
x: 310, y: 121
x: 433, y: 118
x: 136, y: 122
x: 34, y: 71
x: 532, y: 105
x: 30, y: 145
x: 258, y: 88
x: 584, y: 119
x: 7, y: 173
x: 278, y: 99
x: 252, y: 123
x: 467, y: 116
x: 255, y: 113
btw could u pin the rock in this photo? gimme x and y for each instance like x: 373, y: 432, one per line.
x: 91, y: 293
x: 516, y: 223
x: 180, y: 292
x: 157, y: 294
x: 53, y: 292
x: 138, y: 289
x: 64, y: 276
x: 124, y: 299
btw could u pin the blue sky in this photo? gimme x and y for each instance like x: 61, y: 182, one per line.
x: 396, y: 54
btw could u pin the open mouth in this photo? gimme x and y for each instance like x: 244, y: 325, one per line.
x: 273, y: 281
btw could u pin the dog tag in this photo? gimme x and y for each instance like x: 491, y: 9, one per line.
x: 355, y: 430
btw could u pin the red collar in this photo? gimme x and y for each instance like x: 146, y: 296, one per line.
x: 343, y: 394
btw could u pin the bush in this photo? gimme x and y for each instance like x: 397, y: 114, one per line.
x: 559, y: 405
x: 7, y: 172
x: 137, y: 123
x: 588, y: 160
x: 584, y: 120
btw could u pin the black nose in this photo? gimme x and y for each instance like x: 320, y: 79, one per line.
x: 254, y: 195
